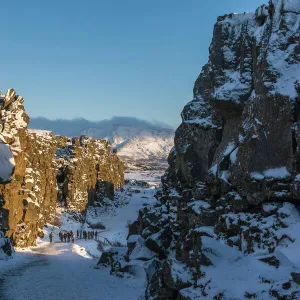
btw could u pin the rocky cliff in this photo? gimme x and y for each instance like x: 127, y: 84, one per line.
x: 87, y: 171
x: 37, y: 169
x: 241, y: 130
x: 232, y: 187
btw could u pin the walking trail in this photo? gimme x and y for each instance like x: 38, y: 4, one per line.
x: 57, y: 271
x: 66, y: 271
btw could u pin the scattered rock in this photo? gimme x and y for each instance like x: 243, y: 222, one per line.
x: 296, y: 277
x: 271, y: 260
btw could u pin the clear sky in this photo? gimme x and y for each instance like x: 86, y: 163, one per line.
x: 97, y: 59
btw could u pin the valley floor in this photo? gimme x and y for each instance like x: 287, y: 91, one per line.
x: 65, y: 270
x: 57, y: 271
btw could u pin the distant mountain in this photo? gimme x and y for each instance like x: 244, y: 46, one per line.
x: 140, y: 144
x: 137, y: 146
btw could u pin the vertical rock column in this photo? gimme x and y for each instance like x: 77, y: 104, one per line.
x: 85, y: 166
x: 13, y: 137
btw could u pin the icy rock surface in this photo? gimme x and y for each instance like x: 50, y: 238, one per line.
x: 243, y: 120
x: 226, y: 224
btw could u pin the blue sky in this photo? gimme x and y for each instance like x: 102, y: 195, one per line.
x: 97, y: 59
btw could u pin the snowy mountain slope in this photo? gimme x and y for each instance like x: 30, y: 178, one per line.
x: 138, y: 147
x: 140, y: 143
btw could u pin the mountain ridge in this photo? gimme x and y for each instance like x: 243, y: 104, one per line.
x: 140, y: 143
x: 145, y: 148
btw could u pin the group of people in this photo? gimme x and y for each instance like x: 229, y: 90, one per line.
x: 90, y: 235
x: 66, y: 236
x: 69, y: 236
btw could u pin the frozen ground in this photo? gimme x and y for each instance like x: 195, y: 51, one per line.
x: 153, y: 177
x: 65, y: 270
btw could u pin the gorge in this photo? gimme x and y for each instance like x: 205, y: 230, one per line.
x: 224, y: 220
x: 38, y: 170
x: 229, y: 203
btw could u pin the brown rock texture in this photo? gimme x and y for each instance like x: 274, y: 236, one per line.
x: 85, y: 164
x: 39, y: 186
x: 38, y: 169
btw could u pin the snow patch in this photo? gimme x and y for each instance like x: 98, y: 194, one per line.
x: 278, y: 173
x: 7, y: 162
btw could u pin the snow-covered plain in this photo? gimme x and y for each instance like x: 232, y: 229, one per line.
x: 65, y: 270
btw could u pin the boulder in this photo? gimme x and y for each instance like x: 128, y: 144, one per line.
x: 296, y: 277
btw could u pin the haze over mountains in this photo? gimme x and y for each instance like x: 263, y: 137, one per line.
x: 141, y: 144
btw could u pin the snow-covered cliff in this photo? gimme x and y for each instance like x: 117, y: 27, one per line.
x: 226, y: 225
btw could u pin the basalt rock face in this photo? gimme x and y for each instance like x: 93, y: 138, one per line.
x: 232, y: 186
x: 32, y: 165
x: 14, y: 138
x: 28, y: 188
x: 87, y: 171
x: 240, y: 133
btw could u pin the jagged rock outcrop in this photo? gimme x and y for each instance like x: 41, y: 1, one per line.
x: 240, y: 133
x: 87, y: 170
x: 14, y: 122
x: 232, y: 187
x: 32, y: 162
x: 39, y: 186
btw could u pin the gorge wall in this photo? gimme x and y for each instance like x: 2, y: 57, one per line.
x: 233, y: 174
x: 38, y: 170
x: 241, y: 131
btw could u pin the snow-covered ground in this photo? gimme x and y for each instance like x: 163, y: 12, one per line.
x: 152, y: 177
x: 66, y: 270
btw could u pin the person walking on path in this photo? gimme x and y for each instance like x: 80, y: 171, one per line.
x: 77, y: 234
x: 73, y: 237
x: 96, y: 235
x: 65, y: 237
x: 80, y: 234
x: 51, y: 237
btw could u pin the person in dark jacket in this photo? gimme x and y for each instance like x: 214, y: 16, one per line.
x: 77, y: 234
x: 96, y: 235
x: 51, y: 237
x: 61, y: 236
